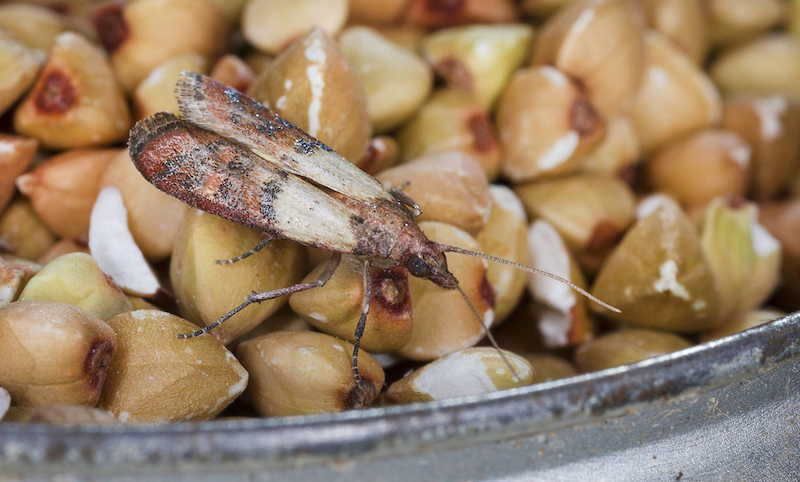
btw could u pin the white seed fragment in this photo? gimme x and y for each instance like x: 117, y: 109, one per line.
x: 112, y: 246
x: 472, y: 371
x: 561, y: 151
x: 5, y: 402
x: 316, y: 54
x: 668, y: 282
x: 550, y: 254
x: 769, y: 113
x: 764, y: 243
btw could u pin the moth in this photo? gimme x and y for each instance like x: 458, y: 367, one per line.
x: 230, y: 156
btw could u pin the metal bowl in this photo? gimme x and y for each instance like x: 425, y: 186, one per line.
x: 725, y: 410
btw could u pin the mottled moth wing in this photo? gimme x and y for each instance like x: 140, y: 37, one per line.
x: 224, y: 110
x: 225, y: 178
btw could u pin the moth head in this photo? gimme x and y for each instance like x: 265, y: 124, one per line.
x: 430, y: 263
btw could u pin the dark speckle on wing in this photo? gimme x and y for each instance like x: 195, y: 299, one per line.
x: 304, y: 146
x: 225, y: 190
x: 269, y: 192
x: 237, y: 167
x: 307, y: 146
x: 175, y: 171
x: 233, y: 95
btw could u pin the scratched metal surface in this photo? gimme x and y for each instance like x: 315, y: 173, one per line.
x: 729, y: 410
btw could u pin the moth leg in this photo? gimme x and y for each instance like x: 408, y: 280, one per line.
x: 405, y: 199
x: 323, y: 278
x: 362, y: 320
x: 263, y: 244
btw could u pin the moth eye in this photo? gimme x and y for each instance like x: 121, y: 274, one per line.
x: 417, y: 267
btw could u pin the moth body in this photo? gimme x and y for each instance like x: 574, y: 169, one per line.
x: 230, y: 156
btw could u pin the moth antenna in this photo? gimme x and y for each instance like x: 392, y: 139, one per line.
x: 456, y: 249
x: 489, y: 334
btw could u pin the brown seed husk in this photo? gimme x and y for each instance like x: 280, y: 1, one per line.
x: 675, y: 97
x: 768, y: 65
x: 63, y: 189
x: 542, y: 8
x: 520, y: 332
x: 619, y: 153
x: 546, y: 124
x: 702, y: 166
x: 232, y: 9
x: 396, y: 81
x: 70, y: 415
x: 782, y: 220
x: 206, y: 291
x: 76, y: 101
x: 624, y: 347
x: 598, y: 43
x: 449, y: 186
x: 591, y: 212
x: 155, y: 235
x: 472, y: 371
x: 271, y: 25
x: 34, y: 25
x: 62, y: 247
x: 659, y: 277
x: 232, y: 70
x: 14, y: 275
x: 312, y: 86
x: 381, y: 154
x: 506, y: 236
x: 283, y: 320
x: 156, y: 92
x: 742, y: 322
x: 407, y: 36
x: 438, y: 13
x: 19, y: 66
x: 139, y: 303
x: 17, y: 414
x: 732, y: 22
x: 76, y: 279
x: 684, y: 23
x: 313, y: 371
x: 16, y: 154
x: 443, y: 322
x: 22, y: 232
x: 478, y: 59
x: 371, y: 12
x: 156, y: 377
x: 336, y: 307
x: 452, y: 119
x: 53, y: 353
x: 140, y: 34
x: 547, y: 368
x: 771, y: 126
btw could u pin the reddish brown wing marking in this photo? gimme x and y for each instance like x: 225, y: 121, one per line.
x: 203, y: 170
x: 225, y: 178
x: 226, y: 111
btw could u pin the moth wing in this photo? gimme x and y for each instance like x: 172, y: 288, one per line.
x: 224, y: 110
x: 225, y: 178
